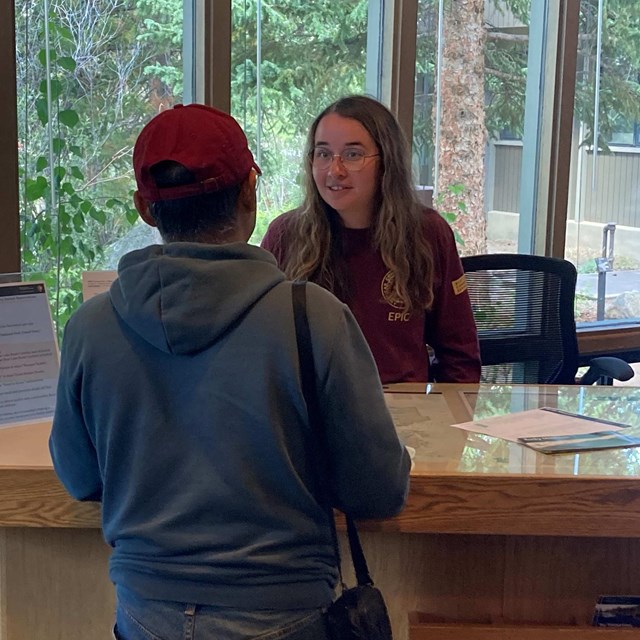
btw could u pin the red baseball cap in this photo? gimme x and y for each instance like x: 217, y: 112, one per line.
x: 207, y: 141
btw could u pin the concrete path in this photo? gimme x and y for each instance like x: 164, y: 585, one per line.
x: 616, y: 282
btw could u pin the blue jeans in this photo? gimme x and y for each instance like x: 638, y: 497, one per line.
x: 141, y: 619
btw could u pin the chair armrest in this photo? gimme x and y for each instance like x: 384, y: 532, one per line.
x: 609, y: 367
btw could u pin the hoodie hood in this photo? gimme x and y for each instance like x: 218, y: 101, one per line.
x: 182, y: 297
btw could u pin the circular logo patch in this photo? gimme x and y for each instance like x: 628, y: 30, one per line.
x: 388, y: 292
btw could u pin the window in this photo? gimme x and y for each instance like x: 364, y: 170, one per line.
x: 470, y: 94
x: 87, y: 79
x: 624, y: 132
x: 603, y: 219
x: 288, y: 62
x: 483, y: 104
x: 90, y: 76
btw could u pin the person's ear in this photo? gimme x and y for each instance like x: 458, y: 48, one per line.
x: 247, y: 204
x: 248, y: 190
x: 143, y: 209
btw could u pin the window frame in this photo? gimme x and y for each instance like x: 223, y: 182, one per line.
x: 10, y: 209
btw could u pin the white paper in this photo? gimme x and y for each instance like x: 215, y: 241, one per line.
x: 422, y: 422
x: 28, y: 354
x: 95, y: 282
x: 537, y: 423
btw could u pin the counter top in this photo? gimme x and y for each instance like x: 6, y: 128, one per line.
x: 462, y: 482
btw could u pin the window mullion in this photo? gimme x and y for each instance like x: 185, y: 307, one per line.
x: 10, y: 209
x: 398, y: 46
x: 212, y: 33
x: 562, y: 128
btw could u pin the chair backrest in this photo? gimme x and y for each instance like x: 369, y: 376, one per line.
x: 523, y: 307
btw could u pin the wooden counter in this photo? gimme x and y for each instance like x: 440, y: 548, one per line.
x: 492, y: 532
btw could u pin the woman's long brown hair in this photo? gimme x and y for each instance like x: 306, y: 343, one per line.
x: 312, y: 244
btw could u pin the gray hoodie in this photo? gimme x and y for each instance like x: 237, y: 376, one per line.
x: 180, y: 409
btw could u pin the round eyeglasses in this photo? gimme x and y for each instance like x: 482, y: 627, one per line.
x: 351, y: 159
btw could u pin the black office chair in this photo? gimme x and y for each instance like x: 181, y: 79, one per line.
x: 524, y: 310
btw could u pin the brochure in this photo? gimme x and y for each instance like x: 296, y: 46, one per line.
x: 617, y: 611
x: 580, y: 442
x: 551, y: 430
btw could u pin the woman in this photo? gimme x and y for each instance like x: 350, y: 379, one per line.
x: 362, y: 234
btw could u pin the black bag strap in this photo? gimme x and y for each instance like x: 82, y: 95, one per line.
x: 357, y: 554
x: 307, y: 378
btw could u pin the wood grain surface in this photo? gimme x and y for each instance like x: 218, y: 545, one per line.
x: 55, y: 585
x: 35, y: 498
x: 437, y: 631
x: 442, y: 503
x: 488, y: 580
x: 518, y: 505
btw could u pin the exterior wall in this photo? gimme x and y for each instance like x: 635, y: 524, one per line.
x: 500, y: 17
x: 617, y: 194
x: 502, y: 230
x: 616, y: 197
x: 506, y: 190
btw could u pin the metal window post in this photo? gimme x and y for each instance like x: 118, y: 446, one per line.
x: 604, y: 264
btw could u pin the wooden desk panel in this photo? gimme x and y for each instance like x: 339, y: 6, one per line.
x: 54, y: 585
x: 526, y: 505
x: 456, y: 503
x: 493, y: 580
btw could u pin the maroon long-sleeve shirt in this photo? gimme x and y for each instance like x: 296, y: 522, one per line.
x: 398, y: 340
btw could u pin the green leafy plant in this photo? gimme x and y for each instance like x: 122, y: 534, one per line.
x: 64, y: 216
x: 457, y: 192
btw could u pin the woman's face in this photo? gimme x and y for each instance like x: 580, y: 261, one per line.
x: 348, y: 183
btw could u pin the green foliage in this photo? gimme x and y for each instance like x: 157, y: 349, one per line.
x: 619, y: 97
x: 309, y: 59
x: 75, y: 182
x: 588, y: 266
x: 505, y: 80
x: 114, y: 63
x: 456, y: 192
x: 162, y: 37
x: 619, y: 103
x: 423, y: 134
x: 505, y: 84
x: 506, y: 66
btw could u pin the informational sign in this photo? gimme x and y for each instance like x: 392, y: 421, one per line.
x: 95, y: 282
x: 29, y: 361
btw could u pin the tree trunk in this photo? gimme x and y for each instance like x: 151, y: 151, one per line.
x: 462, y: 121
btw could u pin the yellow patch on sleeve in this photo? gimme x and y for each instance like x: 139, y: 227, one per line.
x: 459, y: 285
